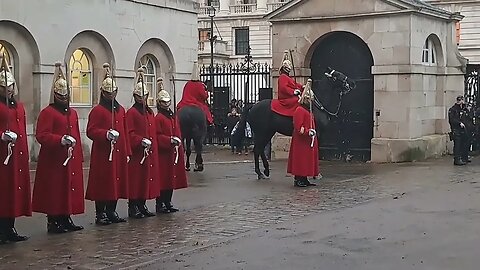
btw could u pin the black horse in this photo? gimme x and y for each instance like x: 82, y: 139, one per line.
x: 265, y: 123
x: 193, y: 126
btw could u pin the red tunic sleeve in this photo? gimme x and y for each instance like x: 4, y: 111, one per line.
x: 132, y: 116
x: 44, y: 133
x: 163, y: 136
x: 94, y: 130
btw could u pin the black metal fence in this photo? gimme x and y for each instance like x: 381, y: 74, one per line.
x: 472, y: 98
x: 247, y: 82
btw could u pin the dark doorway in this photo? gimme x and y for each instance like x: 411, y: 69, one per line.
x: 349, y: 133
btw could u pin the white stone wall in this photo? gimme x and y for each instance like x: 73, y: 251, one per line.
x: 43, y: 32
x: 259, y: 35
x: 469, y: 27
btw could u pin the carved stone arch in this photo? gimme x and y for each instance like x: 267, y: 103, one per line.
x: 26, y: 56
x: 98, y: 50
x: 162, y: 57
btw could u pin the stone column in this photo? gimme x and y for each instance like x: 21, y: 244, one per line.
x: 224, y: 6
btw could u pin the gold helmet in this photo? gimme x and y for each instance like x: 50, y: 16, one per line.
x: 108, y: 84
x: 10, y: 79
x: 59, y: 85
x: 195, y: 72
x: 140, y: 88
x: 286, y: 62
x: 307, y: 94
x: 162, y: 95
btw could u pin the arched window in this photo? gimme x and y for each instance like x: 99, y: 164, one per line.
x: 4, y: 51
x: 81, y: 78
x: 150, y: 78
x: 429, y: 57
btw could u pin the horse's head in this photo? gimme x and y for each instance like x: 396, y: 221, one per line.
x: 340, y: 80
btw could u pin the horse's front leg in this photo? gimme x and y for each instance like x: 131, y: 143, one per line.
x: 256, y: 153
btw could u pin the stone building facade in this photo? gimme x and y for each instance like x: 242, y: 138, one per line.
x: 85, y: 34
x: 404, y: 56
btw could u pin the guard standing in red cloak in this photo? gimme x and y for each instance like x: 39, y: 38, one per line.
x: 303, y: 155
x: 195, y: 94
x: 108, y: 177
x: 170, y: 152
x: 15, y: 200
x: 288, y: 90
x: 58, y: 190
x: 143, y: 168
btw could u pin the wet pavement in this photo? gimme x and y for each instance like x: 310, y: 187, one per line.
x: 230, y: 220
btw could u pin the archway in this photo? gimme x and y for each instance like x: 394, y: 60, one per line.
x: 157, y: 57
x: 23, y: 50
x: 97, y: 50
x: 349, y: 134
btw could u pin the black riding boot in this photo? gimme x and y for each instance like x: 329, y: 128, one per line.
x: 69, y: 225
x: 299, y: 182
x: 112, y: 214
x: 167, y: 200
x: 142, y: 206
x: 12, y: 234
x: 101, y: 216
x: 3, y: 231
x: 55, y: 224
x: 133, y: 209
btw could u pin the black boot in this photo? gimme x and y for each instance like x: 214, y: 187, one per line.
x: 12, y: 235
x: 69, y: 225
x: 144, y: 209
x: 55, y: 224
x: 3, y: 231
x: 299, y: 182
x: 169, y: 207
x: 112, y: 214
x: 458, y: 162
x: 159, y: 206
x: 100, y: 215
x: 133, y: 210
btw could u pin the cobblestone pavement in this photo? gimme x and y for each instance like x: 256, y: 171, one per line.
x: 142, y: 242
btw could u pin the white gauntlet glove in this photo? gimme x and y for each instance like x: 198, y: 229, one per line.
x: 68, y: 140
x: 146, y: 143
x: 297, y: 92
x: 9, y: 136
x: 112, y: 135
x: 175, y: 140
x: 312, y: 132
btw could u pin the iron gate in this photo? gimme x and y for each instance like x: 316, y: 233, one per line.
x: 242, y: 81
x: 472, y: 95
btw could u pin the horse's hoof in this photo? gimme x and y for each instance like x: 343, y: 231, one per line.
x: 187, y: 169
x: 267, y: 173
x: 198, y: 168
x: 261, y: 176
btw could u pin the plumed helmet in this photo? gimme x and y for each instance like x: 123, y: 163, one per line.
x: 140, y: 88
x: 307, y: 94
x: 9, y: 79
x: 108, y: 84
x: 162, y: 95
x: 286, y: 62
x: 195, y: 72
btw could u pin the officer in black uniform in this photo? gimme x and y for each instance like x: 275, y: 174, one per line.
x: 458, y: 119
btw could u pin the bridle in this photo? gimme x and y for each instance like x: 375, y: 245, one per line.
x: 346, y: 88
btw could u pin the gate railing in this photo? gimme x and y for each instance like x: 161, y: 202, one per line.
x: 472, y: 98
x: 233, y: 81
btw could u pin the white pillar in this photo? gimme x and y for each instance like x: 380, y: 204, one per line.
x: 224, y: 6
x: 262, y: 5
